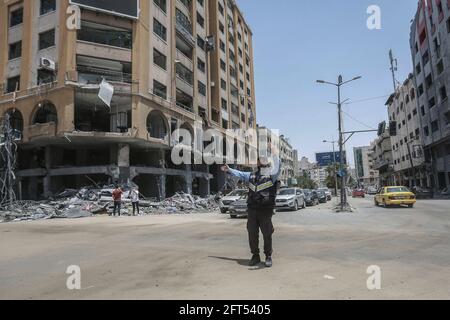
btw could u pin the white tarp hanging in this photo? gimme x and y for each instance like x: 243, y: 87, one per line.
x: 106, y: 92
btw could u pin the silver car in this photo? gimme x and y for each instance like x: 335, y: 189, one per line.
x: 229, y: 199
x: 290, y: 199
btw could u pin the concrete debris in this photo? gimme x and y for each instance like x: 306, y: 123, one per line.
x: 87, y: 202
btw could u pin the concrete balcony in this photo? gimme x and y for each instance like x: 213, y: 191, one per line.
x: 184, y: 60
x: 184, y: 86
x: 185, y: 33
x: 42, y: 130
x: 100, y: 50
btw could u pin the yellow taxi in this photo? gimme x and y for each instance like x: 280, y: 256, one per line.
x: 389, y: 196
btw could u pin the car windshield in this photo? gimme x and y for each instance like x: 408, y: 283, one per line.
x: 397, y: 189
x: 236, y: 193
x: 286, y: 192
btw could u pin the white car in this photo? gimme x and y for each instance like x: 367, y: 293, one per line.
x: 291, y: 199
x: 229, y: 199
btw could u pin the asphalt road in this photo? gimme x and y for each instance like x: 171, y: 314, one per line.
x: 318, y: 255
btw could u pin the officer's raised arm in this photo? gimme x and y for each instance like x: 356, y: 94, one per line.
x: 244, y: 176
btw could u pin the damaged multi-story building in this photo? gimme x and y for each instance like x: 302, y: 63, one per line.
x: 172, y: 63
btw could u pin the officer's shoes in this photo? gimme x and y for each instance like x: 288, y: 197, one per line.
x: 269, y: 262
x: 256, y: 259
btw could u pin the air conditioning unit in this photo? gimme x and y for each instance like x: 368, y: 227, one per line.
x: 213, y: 84
x: 48, y: 64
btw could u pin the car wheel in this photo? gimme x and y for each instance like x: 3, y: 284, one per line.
x: 376, y: 203
x: 410, y: 205
x: 233, y: 216
x: 223, y: 210
x: 304, y: 204
x: 296, y: 206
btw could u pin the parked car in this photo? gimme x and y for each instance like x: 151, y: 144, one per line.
x: 358, y: 193
x: 423, y: 193
x: 105, y: 194
x: 290, y: 198
x: 322, y: 196
x: 239, y: 207
x: 372, y: 190
x: 311, y: 197
x: 230, y: 198
x: 327, y: 193
x: 388, y: 196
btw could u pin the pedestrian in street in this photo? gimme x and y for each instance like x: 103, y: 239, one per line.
x: 117, y: 198
x: 134, y: 196
x: 263, y: 187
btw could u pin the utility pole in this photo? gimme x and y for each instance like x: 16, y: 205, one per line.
x: 408, y: 145
x: 339, y: 84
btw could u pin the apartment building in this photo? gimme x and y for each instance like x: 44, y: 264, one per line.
x: 382, y: 159
x: 319, y: 175
x: 407, y: 150
x: 287, y: 176
x: 172, y: 63
x: 364, y: 172
x: 430, y: 48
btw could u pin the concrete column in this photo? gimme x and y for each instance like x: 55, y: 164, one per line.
x: 81, y: 156
x: 205, y: 184
x: 162, y: 187
x: 123, y: 162
x: 188, y: 179
x: 48, y: 166
x: 32, y: 189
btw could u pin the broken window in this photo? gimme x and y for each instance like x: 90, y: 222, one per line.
x: 106, y: 35
x: 15, y: 50
x: 16, y: 17
x: 156, y: 125
x: 46, y: 113
x: 13, y: 84
x: 45, y: 76
x: 16, y: 120
x: 93, y: 70
x: 159, y: 89
x: 47, y: 6
x: 47, y: 39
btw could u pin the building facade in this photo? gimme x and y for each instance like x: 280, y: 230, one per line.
x: 287, y: 176
x: 177, y: 64
x: 319, y: 175
x: 364, y: 173
x: 430, y: 48
x: 382, y: 159
x: 407, y: 150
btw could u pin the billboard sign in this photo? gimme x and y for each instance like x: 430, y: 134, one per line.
x: 128, y: 9
x: 325, y: 159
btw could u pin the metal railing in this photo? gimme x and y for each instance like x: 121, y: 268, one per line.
x: 94, y: 75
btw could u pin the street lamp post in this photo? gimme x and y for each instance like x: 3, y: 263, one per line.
x: 334, y: 166
x: 339, y: 84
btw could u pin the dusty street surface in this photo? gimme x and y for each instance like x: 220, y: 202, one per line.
x: 318, y: 254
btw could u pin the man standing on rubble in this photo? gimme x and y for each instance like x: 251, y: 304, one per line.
x: 263, y: 189
x: 117, y: 198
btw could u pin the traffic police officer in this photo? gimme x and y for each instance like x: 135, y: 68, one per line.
x: 263, y: 185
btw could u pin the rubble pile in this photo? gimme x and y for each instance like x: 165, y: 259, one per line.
x: 183, y: 203
x: 85, y: 202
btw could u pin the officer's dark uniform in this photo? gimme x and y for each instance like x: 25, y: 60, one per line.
x: 261, y: 203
